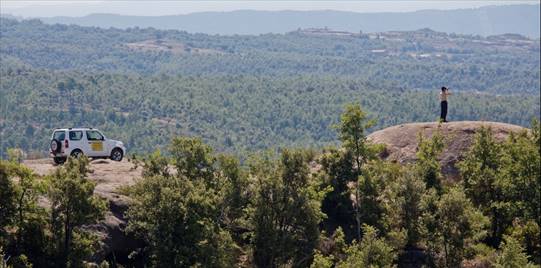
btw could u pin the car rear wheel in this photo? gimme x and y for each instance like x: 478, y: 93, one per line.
x: 116, y: 155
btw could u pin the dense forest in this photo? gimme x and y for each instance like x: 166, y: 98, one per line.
x: 233, y: 113
x: 421, y: 59
x: 242, y: 93
x: 340, y: 207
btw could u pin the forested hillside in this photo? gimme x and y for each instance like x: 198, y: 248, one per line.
x: 243, y: 93
x: 421, y: 59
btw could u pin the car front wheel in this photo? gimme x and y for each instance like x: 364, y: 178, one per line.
x: 116, y: 155
x: 76, y: 153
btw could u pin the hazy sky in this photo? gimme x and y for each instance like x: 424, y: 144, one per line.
x: 154, y: 8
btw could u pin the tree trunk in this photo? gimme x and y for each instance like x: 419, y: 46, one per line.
x: 18, y: 245
x: 357, y: 193
x: 67, y: 237
x: 357, y: 211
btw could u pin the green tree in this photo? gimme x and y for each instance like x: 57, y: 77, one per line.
x: 237, y: 193
x: 528, y: 233
x: 177, y: 217
x: 25, y: 219
x: 15, y: 155
x: 179, y: 214
x: 372, y: 186
x: 193, y: 159
x: 427, y: 164
x: 451, y: 226
x: 503, y: 178
x: 404, y: 209
x: 536, y: 133
x: 154, y: 164
x: 479, y: 171
x: 512, y: 255
x: 519, y: 182
x: 519, y: 176
x: 73, y: 205
x: 335, y: 250
x: 287, y: 211
x: 372, y: 251
x: 8, y: 201
x: 338, y: 173
x: 352, y: 133
x: 321, y: 261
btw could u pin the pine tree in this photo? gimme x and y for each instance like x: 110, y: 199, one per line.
x: 512, y: 255
x: 479, y: 171
x: 20, y: 190
x: 8, y: 206
x: 179, y: 214
x: 404, y: 205
x: 427, y: 164
x: 352, y: 127
x: 73, y: 205
x: 287, y: 211
x: 451, y: 225
x: 372, y: 251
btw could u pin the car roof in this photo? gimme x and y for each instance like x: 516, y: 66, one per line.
x: 75, y: 128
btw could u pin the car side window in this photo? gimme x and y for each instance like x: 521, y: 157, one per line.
x: 93, y: 135
x: 59, y: 135
x: 76, y: 135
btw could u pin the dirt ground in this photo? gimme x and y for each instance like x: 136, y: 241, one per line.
x: 108, y: 175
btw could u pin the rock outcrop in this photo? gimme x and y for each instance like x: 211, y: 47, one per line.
x: 401, y: 141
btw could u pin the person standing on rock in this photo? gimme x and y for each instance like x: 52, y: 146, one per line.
x: 443, y: 103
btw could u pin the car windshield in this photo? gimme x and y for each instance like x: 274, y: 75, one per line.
x: 94, y: 135
x: 59, y: 135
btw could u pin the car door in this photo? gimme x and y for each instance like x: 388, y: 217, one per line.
x: 78, y: 141
x: 96, y: 142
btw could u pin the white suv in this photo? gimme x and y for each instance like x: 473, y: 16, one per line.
x: 84, y: 141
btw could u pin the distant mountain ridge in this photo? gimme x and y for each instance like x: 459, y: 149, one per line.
x: 488, y: 20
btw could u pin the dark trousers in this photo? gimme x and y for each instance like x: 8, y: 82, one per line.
x: 443, y: 115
